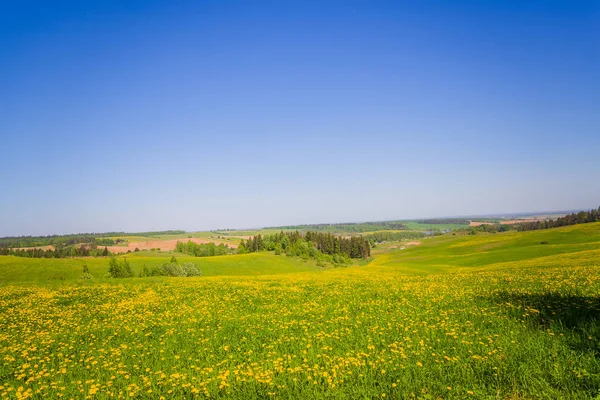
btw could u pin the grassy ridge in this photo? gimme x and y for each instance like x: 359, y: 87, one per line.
x: 487, y: 316
x: 416, y: 226
x: 456, y: 253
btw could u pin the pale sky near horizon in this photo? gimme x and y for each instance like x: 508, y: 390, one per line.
x: 154, y: 115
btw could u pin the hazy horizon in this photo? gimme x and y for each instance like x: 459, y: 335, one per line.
x: 146, y: 116
x: 242, y: 228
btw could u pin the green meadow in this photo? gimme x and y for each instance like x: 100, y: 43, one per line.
x: 461, y: 252
x: 510, y: 315
x: 40, y: 270
x: 416, y: 226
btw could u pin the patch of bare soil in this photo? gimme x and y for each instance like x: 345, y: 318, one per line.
x: 45, y: 248
x: 413, y: 243
x: 517, y: 221
x: 475, y: 223
x: 508, y: 222
x: 163, y: 245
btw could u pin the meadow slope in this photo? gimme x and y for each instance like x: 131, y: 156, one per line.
x: 486, y: 316
x: 39, y: 270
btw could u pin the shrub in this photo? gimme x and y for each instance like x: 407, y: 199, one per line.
x: 191, y: 269
x: 86, y: 273
x: 172, y: 269
x: 119, y: 270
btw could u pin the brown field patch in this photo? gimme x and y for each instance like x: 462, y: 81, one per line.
x: 507, y: 222
x: 475, y: 223
x: 163, y: 245
x: 45, y: 248
x: 413, y: 243
x: 517, y: 221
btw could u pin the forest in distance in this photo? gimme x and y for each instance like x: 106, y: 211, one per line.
x: 351, y: 240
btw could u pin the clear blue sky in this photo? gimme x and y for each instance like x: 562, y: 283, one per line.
x: 150, y: 115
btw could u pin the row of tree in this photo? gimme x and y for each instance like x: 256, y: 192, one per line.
x: 325, y: 243
x: 440, y: 221
x: 382, y: 237
x: 38, y: 241
x: 581, y: 217
x: 73, y: 239
x: 356, y: 227
x: 202, y: 249
x: 58, y: 252
x: 109, y: 241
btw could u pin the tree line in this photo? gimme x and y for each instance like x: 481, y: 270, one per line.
x: 440, y: 221
x: 582, y: 217
x: 109, y: 241
x: 302, y: 244
x: 382, y: 237
x: 349, y: 227
x: 202, y: 249
x: 72, y: 239
x: 58, y: 252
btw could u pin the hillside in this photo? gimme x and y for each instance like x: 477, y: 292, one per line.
x: 463, y: 253
x: 485, y: 316
x: 19, y: 269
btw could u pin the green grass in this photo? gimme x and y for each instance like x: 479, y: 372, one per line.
x: 488, y: 317
x: 19, y: 269
x: 415, y: 226
x: 450, y: 253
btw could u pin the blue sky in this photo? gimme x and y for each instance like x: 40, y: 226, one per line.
x: 219, y: 114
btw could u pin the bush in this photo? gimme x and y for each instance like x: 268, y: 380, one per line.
x: 191, y: 269
x: 205, y: 249
x: 119, y: 270
x: 86, y: 273
x: 172, y: 269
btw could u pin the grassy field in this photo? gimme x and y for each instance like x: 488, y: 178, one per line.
x: 450, y: 253
x: 20, y: 270
x: 415, y: 226
x: 486, y: 316
x: 212, y: 236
